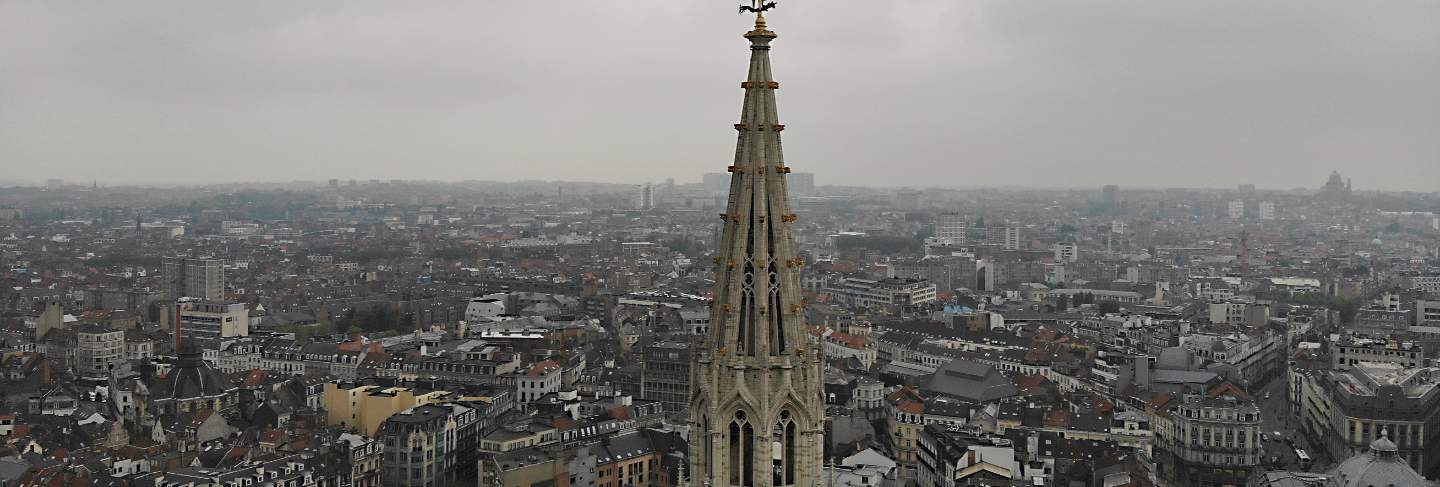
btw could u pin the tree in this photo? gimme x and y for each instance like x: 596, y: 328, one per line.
x: 455, y: 253
x: 680, y: 244
x: 966, y: 300
x: 883, y: 244
x: 1064, y: 304
x: 304, y: 332
x: 378, y: 317
x: 1109, y: 306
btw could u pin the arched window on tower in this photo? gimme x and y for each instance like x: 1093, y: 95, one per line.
x: 741, y: 451
x: 745, y: 343
x: 777, y: 337
x: 782, y: 448
x: 707, y: 445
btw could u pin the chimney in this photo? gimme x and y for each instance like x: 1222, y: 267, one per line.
x: 970, y: 458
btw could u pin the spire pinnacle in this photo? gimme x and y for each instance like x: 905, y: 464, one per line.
x: 760, y: 30
x: 759, y: 7
x: 757, y: 373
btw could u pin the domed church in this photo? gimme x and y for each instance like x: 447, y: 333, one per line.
x: 1381, y: 466
x: 192, y: 385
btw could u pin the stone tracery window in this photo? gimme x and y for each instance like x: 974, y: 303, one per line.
x: 741, y: 450
x: 782, y: 444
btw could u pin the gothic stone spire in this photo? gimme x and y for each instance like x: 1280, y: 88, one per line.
x: 757, y: 383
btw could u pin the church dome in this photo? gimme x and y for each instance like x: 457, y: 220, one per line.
x: 192, y: 377
x: 1381, y: 466
x: 1383, y: 445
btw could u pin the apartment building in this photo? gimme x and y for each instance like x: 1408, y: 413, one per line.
x: 430, y: 445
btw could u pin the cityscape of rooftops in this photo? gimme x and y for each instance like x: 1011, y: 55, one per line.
x: 560, y: 244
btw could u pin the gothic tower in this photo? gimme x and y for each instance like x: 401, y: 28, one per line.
x: 756, y: 409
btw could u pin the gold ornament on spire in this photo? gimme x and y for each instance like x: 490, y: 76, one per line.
x: 759, y: 7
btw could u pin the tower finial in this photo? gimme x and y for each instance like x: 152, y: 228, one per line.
x: 759, y: 7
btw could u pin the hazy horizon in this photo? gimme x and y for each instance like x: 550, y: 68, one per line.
x: 928, y: 93
x: 344, y: 183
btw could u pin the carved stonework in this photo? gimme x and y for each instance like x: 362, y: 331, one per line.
x: 766, y: 393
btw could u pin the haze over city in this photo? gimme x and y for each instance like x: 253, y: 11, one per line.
x: 919, y: 93
x: 561, y: 244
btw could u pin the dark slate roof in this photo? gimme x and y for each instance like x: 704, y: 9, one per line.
x: 1089, y: 421
x: 192, y: 378
x: 969, y: 381
x: 622, y: 447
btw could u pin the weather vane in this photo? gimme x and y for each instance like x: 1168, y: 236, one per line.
x: 757, y: 6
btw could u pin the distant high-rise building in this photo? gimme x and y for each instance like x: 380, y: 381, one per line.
x: 1055, y: 274
x: 1066, y: 252
x: 801, y: 183
x: 1246, y: 188
x: 193, y: 278
x: 1012, y: 237
x: 1267, y: 210
x: 645, y: 197
x: 334, y: 183
x: 55, y: 184
x: 951, y: 228
x: 907, y: 199
x: 1236, y: 209
x: 1110, y: 197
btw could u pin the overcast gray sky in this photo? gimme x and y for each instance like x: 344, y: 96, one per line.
x: 913, y: 92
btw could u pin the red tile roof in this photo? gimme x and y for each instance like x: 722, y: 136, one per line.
x: 1228, y: 389
x: 1057, y: 418
x: 1159, y: 402
x: 354, y: 345
x: 272, y: 435
x: 253, y: 379
x: 200, y: 417
x: 542, y: 368
x: 904, y: 393
x: 1027, y: 383
x: 911, y: 407
x: 851, y: 341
